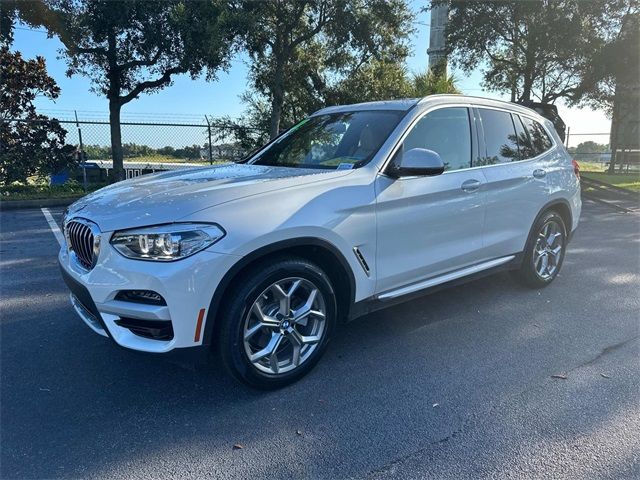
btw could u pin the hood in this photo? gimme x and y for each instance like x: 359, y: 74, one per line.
x: 169, y: 196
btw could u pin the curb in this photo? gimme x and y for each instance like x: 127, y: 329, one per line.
x: 623, y: 200
x: 37, y: 203
x: 612, y: 205
x: 599, y: 183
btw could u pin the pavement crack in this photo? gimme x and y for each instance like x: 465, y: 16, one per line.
x: 471, y: 420
x: 477, y: 419
x: 605, y: 351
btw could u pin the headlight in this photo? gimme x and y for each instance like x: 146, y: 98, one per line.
x: 165, y: 243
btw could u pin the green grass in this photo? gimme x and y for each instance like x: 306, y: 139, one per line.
x: 630, y: 181
x: 167, y: 159
x: 42, y: 191
x: 591, y: 166
x: 160, y: 159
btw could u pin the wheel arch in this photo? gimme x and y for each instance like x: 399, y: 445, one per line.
x: 322, y: 252
x: 563, y: 208
x: 559, y: 205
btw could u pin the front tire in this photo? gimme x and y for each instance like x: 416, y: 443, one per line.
x: 544, y: 252
x: 277, y: 322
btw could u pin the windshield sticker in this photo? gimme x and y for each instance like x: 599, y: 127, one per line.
x: 345, y: 166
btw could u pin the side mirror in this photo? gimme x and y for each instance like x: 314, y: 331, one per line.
x: 417, y: 162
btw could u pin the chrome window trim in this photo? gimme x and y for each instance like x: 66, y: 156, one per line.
x: 530, y: 117
x: 546, y: 130
x: 410, y: 127
x: 396, y: 147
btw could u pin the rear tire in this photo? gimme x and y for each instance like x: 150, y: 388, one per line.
x: 544, y: 251
x: 277, y: 322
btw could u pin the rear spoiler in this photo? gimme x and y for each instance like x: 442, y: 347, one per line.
x: 550, y: 112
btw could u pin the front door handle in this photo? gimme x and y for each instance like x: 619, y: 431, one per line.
x: 470, y: 185
x: 539, y: 173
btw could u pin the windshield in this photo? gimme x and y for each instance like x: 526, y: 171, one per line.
x: 335, y: 141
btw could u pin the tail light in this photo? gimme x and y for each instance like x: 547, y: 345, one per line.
x: 576, y: 168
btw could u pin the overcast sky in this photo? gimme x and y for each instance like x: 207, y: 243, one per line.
x: 190, y: 100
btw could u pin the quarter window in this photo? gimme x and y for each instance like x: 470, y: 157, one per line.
x: 446, y: 131
x: 540, y: 141
x: 525, y: 148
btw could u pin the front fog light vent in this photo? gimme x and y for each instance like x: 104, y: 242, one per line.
x: 148, y: 297
x: 153, y: 329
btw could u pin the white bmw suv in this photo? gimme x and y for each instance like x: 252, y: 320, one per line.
x: 351, y: 210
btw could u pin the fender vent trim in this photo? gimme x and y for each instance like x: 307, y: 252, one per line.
x: 361, y: 260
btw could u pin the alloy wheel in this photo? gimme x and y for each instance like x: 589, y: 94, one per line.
x: 548, y: 249
x: 284, y: 325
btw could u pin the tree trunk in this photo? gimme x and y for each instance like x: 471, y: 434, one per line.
x: 614, y: 136
x: 116, y: 140
x: 526, y: 87
x: 529, y: 70
x: 276, y: 112
x: 277, y: 101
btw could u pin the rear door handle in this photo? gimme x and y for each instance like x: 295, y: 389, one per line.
x: 470, y: 185
x: 539, y: 173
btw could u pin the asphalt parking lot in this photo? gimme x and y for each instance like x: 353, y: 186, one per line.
x: 455, y: 385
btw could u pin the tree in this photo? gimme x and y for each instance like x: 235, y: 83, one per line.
x: 7, y: 15
x: 375, y: 81
x: 31, y: 144
x: 533, y: 49
x: 389, y: 80
x: 32, y: 12
x: 433, y: 82
x: 588, y: 151
x: 299, y: 46
x: 611, y: 75
x: 97, y: 152
x: 132, y: 47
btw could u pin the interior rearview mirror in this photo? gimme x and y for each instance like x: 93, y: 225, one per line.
x: 417, y: 162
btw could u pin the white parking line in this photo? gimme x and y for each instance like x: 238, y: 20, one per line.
x: 53, y: 225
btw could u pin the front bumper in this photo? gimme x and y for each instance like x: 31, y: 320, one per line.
x: 186, y: 285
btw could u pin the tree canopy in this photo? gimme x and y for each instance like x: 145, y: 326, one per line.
x: 534, y: 49
x: 132, y: 47
x: 615, y: 57
x: 298, y: 49
x: 387, y: 81
x: 588, y: 151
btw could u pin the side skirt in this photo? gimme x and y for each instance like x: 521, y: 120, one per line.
x: 375, y: 303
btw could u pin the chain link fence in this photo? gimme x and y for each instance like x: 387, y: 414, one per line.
x: 152, y: 146
x: 589, y: 161
x: 149, y: 147
x: 162, y: 143
x: 627, y: 157
x: 157, y: 142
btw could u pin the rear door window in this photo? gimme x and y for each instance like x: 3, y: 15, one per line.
x: 499, y: 136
